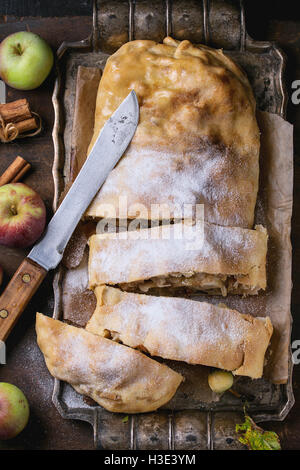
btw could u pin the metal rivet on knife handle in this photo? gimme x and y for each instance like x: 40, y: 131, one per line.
x: 26, y: 278
x: 3, y: 313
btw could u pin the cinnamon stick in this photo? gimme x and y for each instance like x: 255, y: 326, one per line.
x: 26, y: 125
x: 15, y: 171
x: 16, y: 119
x: 21, y: 173
x: 15, y: 111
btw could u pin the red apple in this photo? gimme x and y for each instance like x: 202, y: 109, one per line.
x: 14, y: 411
x: 22, y: 215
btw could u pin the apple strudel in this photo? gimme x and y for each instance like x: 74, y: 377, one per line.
x: 171, y: 258
x: 183, y: 330
x: 197, y: 141
x: 119, y: 378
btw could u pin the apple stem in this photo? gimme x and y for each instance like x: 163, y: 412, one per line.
x: 13, y: 209
x: 19, y: 49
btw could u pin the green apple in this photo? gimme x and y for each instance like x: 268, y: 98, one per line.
x: 25, y: 60
x: 14, y: 411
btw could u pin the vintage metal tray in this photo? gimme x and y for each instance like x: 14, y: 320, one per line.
x: 219, y: 24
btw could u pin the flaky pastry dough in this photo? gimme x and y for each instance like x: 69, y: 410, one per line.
x: 183, y: 330
x: 168, y: 258
x: 117, y: 377
x: 197, y: 141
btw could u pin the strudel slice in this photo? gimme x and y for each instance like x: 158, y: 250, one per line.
x: 173, y: 258
x: 118, y: 378
x: 183, y: 330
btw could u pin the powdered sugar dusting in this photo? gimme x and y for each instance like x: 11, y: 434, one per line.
x: 180, y: 329
x: 159, y: 176
x: 197, y: 140
x: 103, y: 369
x: 78, y: 301
x: 225, y: 250
x: 77, y: 278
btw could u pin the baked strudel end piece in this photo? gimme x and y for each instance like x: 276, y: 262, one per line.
x: 197, y: 141
x: 172, y: 258
x: 119, y: 378
x: 183, y: 330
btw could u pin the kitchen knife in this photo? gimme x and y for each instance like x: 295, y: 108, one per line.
x: 112, y: 142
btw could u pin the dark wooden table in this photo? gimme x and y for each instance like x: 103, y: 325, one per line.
x: 58, y: 21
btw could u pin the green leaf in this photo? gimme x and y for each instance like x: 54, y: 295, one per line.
x: 255, y: 438
x: 125, y: 419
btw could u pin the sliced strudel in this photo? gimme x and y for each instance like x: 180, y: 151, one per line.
x: 183, y: 330
x: 117, y: 377
x: 173, y: 258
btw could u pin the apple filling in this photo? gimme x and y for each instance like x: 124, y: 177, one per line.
x: 115, y: 336
x: 214, y: 284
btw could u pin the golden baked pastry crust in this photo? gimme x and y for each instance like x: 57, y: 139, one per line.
x: 197, y: 140
x: 233, y: 253
x: 118, y: 378
x: 183, y: 330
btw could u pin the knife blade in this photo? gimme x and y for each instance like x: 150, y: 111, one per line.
x: 2, y: 92
x: 109, y: 147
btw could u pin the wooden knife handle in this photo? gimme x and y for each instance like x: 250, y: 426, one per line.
x: 18, y: 293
